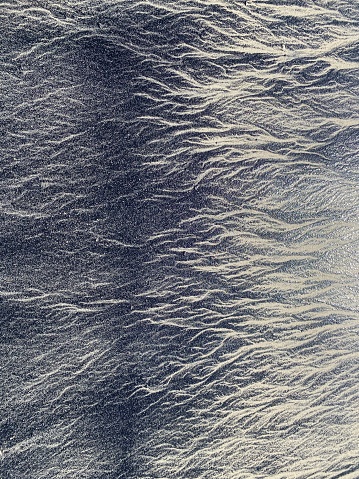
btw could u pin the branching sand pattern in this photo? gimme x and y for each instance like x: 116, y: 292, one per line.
x: 179, y: 239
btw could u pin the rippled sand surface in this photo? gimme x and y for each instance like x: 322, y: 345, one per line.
x: 179, y: 239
